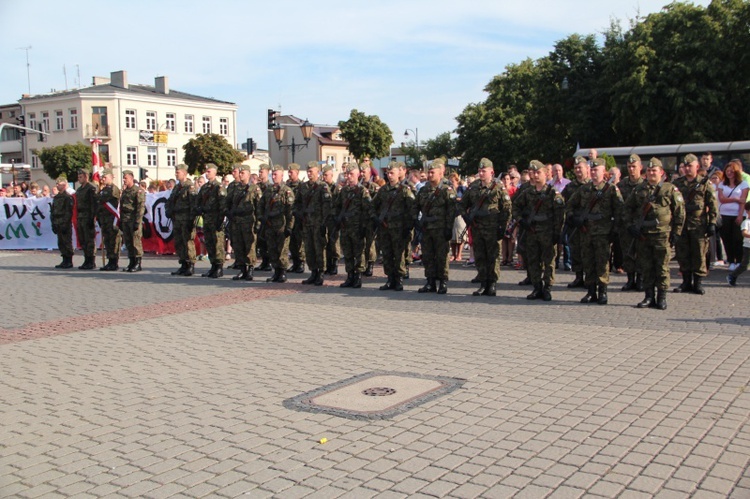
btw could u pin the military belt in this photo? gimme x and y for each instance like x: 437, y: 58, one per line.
x: 692, y: 207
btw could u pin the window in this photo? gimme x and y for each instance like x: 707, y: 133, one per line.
x: 35, y: 161
x: 130, y: 123
x: 224, y: 126
x: 32, y: 121
x: 131, y: 157
x: 189, y: 123
x: 331, y: 160
x: 45, y: 121
x: 59, y: 120
x: 206, y: 124
x: 150, y: 120
x: 73, y: 113
x: 170, y: 121
x: 172, y: 157
x: 11, y: 114
x: 151, y: 156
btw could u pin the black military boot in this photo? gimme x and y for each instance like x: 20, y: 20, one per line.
x: 249, y: 273
x: 482, y: 288
x: 88, y: 264
x: 68, y: 263
x: 442, y: 286
x: 115, y: 264
x: 490, y: 290
x: 334, y: 270
x: 189, y: 269
x: 131, y: 264
x: 687, y: 283
x: 638, y: 281
x: 108, y: 266
x: 298, y: 267
x: 387, y: 286
x: 661, y: 299
x: 406, y: 276
x: 368, y: 270
x: 137, y: 266
x: 397, y: 284
x: 264, y: 266
x: 217, y: 270
x: 536, y: 294
x: 476, y: 279
x: 349, y: 281
x: 546, y: 293
x: 603, y: 299
x: 630, y: 285
x: 318, y: 277
x: 525, y: 282
x: 429, y: 287
x: 282, y: 275
x: 578, y: 281
x: 312, y: 278
x: 293, y: 266
x: 698, y: 285
x: 182, y: 269
x: 590, y: 295
x: 64, y: 263
x: 648, y: 301
x: 357, y: 280
x: 242, y: 274
x: 275, y: 276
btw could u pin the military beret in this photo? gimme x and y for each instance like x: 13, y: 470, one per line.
x: 293, y: 166
x: 654, y: 162
x: 536, y: 165
x: 350, y: 167
x: 599, y: 162
x: 277, y: 168
x: 181, y: 166
x: 211, y: 165
x: 690, y: 158
x: 634, y: 158
x: 106, y: 171
x: 580, y: 159
x: 485, y: 163
x: 61, y: 179
x: 441, y: 161
x: 244, y: 168
x: 402, y: 164
x: 84, y: 171
x: 313, y: 164
x: 128, y: 172
x: 264, y: 166
x: 327, y: 168
x: 236, y: 166
x: 392, y: 166
x: 433, y: 166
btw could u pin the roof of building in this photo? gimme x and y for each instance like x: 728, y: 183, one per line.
x: 322, y: 132
x: 134, y: 89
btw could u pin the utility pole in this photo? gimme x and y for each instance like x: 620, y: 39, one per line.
x: 28, y: 66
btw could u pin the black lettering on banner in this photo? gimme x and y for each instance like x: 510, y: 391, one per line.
x: 162, y: 224
x: 12, y: 210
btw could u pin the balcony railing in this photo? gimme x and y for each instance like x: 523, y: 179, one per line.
x: 97, y: 130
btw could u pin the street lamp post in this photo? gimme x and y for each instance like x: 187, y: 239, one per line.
x: 278, y: 133
x: 416, y: 136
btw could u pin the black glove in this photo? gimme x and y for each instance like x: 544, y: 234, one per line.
x: 54, y: 229
x: 448, y: 234
x: 673, y: 238
x: 634, y: 231
x: 287, y: 232
x: 711, y: 230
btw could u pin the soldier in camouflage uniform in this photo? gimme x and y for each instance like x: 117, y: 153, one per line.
x: 414, y: 234
x: 232, y: 229
x: 314, y: 205
x: 61, y: 217
x: 521, y: 234
x: 393, y: 207
x: 108, y: 201
x: 541, y: 212
x: 582, y: 172
x: 244, y: 209
x: 353, y: 212
x: 486, y: 208
x: 332, y: 230
x: 277, y: 222
x: 436, y: 201
x: 132, y: 208
x: 592, y: 211
x: 654, y: 214
x: 701, y: 210
x: 211, y: 205
x: 180, y: 208
x: 296, y: 240
x: 261, y: 245
x: 86, y: 204
x: 370, y: 251
x: 627, y: 243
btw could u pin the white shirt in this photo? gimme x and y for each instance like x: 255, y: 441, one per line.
x: 732, y: 209
x: 745, y: 227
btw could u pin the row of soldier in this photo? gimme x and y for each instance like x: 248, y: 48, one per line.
x: 311, y: 219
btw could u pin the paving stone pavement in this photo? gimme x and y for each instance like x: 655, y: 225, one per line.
x: 148, y: 385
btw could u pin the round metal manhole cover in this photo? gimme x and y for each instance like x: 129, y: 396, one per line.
x: 379, y: 391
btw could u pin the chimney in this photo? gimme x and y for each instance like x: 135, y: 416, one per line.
x: 119, y: 79
x: 162, y: 85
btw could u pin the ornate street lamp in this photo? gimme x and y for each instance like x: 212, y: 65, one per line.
x: 278, y: 133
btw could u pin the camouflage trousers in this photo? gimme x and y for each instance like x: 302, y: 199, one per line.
x: 86, y: 237
x: 435, y: 251
x: 691, y: 249
x: 278, y: 247
x: 111, y: 237
x: 392, y: 242
x: 541, y: 251
x: 184, y: 240
x: 352, y: 246
x: 653, y: 260
x: 214, y: 238
x: 486, y: 252
x: 133, y: 239
x: 315, y: 245
x: 595, y: 250
x: 65, y: 241
x: 332, y: 242
x: 297, y: 242
x: 243, y: 241
x: 370, y: 253
x: 628, y: 246
x: 576, y: 257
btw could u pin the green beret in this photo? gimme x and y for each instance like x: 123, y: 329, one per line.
x: 181, y: 166
x: 434, y: 166
x: 277, y: 168
x: 580, y: 159
x: 237, y: 166
x: 536, y: 165
x: 441, y: 161
x: 350, y: 167
x: 244, y: 168
x: 690, y: 158
x: 599, y: 162
x: 634, y: 158
x: 293, y: 166
x: 327, y: 168
x: 211, y: 165
x: 128, y: 172
x: 106, y: 171
x: 392, y: 166
x: 264, y: 166
x: 654, y: 163
x: 313, y: 164
x: 84, y: 171
x: 485, y: 163
x: 61, y: 179
x: 402, y: 164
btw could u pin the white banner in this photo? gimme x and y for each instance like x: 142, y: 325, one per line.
x: 25, y: 224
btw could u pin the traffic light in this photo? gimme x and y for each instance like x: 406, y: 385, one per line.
x: 250, y: 146
x: 272, y: 118
x: 21, y: 122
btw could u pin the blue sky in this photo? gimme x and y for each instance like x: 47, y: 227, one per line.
x: 416, y: 64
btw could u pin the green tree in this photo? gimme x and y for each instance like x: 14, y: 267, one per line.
x: 413, y: 156
x: 443, y: 145
x: 367, y: 135
x: 65, y: 160
x: 211, y: 148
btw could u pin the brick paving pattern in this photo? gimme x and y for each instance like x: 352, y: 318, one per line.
x: 148, y: 385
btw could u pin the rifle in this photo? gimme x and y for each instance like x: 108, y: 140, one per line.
x: 592, y: 203
x: 645, y: 209
x: 342, y: 216
x: 384, y: 212
x: 527, y: 221
x: 469, y: 217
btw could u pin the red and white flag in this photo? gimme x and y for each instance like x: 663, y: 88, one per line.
x: 96, y: 161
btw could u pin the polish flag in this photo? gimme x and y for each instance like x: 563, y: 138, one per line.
x: 96, y: 161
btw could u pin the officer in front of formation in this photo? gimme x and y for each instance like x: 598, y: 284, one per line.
x: 277, y: 222
x: 180, y: 208
x: 61, y: 217
x: 632, y: 180
x: 244, y: 210
x: 436, y: 205
x: 592, y: 211
x: 132, y: 208
x: 86, y: 204
x: 654, y: 214
x: 314, y: 205
x: 540, y: 211
x: 352, y: 210
x: 211, y: 205
x: 701, y: 211
x: 108, y: 201
x: 296, y: 240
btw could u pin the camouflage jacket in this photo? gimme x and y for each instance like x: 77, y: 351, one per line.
x: 109, y: 194
x: 312, y: 203
x: 543, y: 209
x: 245, y: 204
x: 600, y: 208
x: 276, y: 207
x: 655, y: 209
x: 486, y: 206
x: 437, y: 206
x: 393, y: 207
x: 212, y: 198
x: 352, y: 208
x: 701, y: 204
x: 132, y: 204
x: 86, y: 201
x: 181, y: 202
x: 61, y: 213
